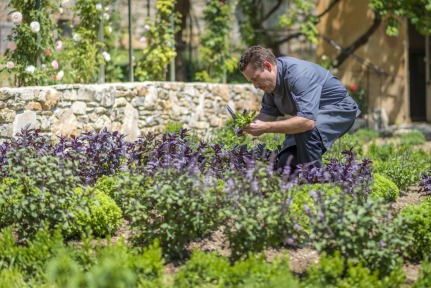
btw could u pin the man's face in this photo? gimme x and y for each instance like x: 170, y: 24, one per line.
x: 264, y: 78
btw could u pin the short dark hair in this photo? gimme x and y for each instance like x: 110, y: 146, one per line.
x: 256, y: 55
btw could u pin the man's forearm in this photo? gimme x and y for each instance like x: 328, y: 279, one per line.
x: 292, y: 125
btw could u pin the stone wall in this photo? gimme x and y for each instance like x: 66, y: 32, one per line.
x: 131, y: 108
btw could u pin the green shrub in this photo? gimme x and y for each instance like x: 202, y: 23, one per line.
x: 366, y: 135
x: 173, y: 127
x: 303, y: 201
x: 258, y: 193
x: 346, y: 142
x: 361, y: 230
x: 401, y: 165
x: 30, y: 258
x: 383, y: 188
x: 29, y: 209
x: 418, y: 228
x: 11, y: 278
x: 424, y: 279
x: 104, y: 215
x: 108, y: 184
x: 414, y: 137
x: 174, y: 207
x: 209, y: 270
x: 333, y: 271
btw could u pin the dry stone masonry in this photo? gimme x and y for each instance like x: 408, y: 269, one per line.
x: 131, y: 108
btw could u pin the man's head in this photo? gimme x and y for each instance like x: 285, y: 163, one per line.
x: 259, y: 66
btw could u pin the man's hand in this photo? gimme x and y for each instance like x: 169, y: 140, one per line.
x: 256, y: 128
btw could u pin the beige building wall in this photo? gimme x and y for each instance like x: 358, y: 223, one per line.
x: 384, y: 71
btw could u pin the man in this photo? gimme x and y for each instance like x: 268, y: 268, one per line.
x: 320, y: 107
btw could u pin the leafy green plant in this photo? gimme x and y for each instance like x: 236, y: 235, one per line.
x: 366, y: 135
x: 401, y: 165
x: 209, y: 270
x: 40, y: 195
x: 346, y: 142
x: 104, y: 215
x: 361, y: 230
x: 31, y: 257
x: 424, y: 279
x: 175, y: 207
x: 243, y: 118
x: 333, y: 271
x: 383, y: 188
x: 214, y: 43
x: 418, y: 228
x: 173, y: 127
x: 412, y: 138
x: 86, y: 50
x: 303, y: 201
x: 160, y: 40
x: 258, y: 193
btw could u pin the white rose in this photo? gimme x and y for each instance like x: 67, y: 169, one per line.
x: 147, y: 27
x: 106, y: 16
x: 16, y: 17
x: 59, y: 75
x: 76, y: 37
x: 106, y: 56
x: 35, y: 26
x: 98, y: 7
x: 30, y: 69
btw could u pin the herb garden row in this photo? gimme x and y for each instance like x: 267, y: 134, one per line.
x: 97, y: 211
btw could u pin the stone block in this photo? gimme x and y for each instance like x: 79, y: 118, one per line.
x: 7, y: 115
x: 79, y: 108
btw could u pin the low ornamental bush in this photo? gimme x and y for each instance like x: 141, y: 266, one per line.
x: 103, y: 217
x: 174, y: 207
x: 360, y: 229
x: 384, y: 189
x: 418, y: 229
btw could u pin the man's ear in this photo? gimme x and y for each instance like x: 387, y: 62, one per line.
x: 267, y: 65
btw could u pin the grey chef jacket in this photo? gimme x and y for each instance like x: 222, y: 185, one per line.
x: 308, y: 90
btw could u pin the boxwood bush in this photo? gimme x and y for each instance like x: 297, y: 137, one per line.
x: 418, y: 228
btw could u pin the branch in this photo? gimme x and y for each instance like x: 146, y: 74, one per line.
x: 334, y: 2
x: 272, y: 10
x: 346, y: 52
x: 288, y: 38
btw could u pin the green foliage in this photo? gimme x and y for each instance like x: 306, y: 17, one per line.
x: 226, y: 136
x: 40, y: 195
x: 366, y: 135
x: 244, y: 118
x: 32, y: 66
x: 383, y: 188
x: 209, y: 270
x: 174, y: 207
x: 346, y: 142
x: 416, y: 11
x: 161, y: 43
x: 30, y: 258
x: 424, y: 279
x: 361, y: 230
x: 11, y: 278
x: 173, y: 127
x: 83, y: 53
x: 104, y: 215
x: 303, y: 201
x: 412, y: 138
x: 257, y: 194
x: 401, y: 165
x: 214, y: 42
x: 418, y: 229
x: 300, y: 13
x: 333, y: 271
